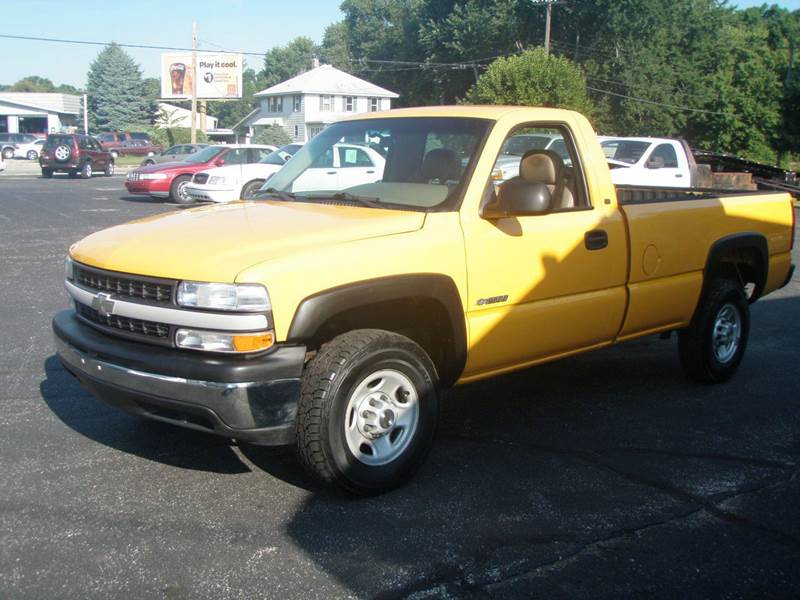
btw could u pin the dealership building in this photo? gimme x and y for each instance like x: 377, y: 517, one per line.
x: 29, y: 112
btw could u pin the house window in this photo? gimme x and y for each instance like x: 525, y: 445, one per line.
x: 325, y: 103
x: 349, y: 104
x: 298, y: 100
x: 276, y: 104
x: 296, y: 131
x: 373, y: 105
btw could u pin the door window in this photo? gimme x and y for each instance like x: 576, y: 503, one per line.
x: 258, y: 154
x: 543, y: 154
x: 666, y: 153
x: 353, y: 157
x: 236, y: 156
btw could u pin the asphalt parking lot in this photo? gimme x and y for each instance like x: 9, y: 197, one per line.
x: 602, y: 476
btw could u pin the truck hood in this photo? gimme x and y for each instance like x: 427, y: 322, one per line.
x: 215, y: 243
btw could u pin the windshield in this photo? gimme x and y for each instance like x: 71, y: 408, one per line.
x: 418, y: 163
x: 54, y: 140
x: 204, y: 155
x: 281, y: 155
x: 627, y: 151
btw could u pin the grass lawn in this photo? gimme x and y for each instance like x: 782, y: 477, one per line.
x: 128, y: 161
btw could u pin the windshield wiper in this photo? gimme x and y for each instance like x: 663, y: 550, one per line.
x: 348, y: 197
x: 271, y: 191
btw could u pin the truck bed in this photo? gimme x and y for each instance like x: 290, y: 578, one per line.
x: 632, y: 194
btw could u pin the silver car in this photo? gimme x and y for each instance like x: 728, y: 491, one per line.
x: 174, y: 153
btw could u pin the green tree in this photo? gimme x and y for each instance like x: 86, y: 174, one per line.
x: 117, y: 98
x: 284, y: 62
x: 230, y: 112
x: 274, y: 135
x: 533, y: 79
x: 335, y: 48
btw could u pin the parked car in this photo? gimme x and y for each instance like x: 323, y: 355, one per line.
x: 31, y: 150
x: 660, y: 162
x: 74, y: 154
x: 334, y: 318
x: 173, y: 153
x: 10, y: 143
x: 129, y: 143
x: 232, y: 182
x: 507, y: 165
x: 169, y: 180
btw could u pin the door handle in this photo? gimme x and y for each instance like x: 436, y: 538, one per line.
x: 679, y: 175
x: 597, y: 239
x: 330, y: 173
x: 370, y: 172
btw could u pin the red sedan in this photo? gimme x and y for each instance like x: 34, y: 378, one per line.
x: 169, y: 180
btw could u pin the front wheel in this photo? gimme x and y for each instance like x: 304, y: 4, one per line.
x: 177, y: 191
x: 249, y: 190
x: 109, y: 168
x: 114, y: 154
x: 368, y: 410
x: 713, y: 345
x: 8, y: 153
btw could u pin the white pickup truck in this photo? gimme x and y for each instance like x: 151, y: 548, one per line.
x: 646, y: 161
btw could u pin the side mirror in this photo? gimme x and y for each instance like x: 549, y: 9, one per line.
x: 518, y: 198
x: 655, y: 162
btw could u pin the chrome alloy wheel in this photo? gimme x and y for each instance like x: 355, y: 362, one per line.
x: 381, y: 417
x: 727, y: 333
x: 182, y: 193
x: 61, y: 153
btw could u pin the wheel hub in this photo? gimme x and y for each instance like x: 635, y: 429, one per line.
x: 726, y: 333
x: 375, y: 416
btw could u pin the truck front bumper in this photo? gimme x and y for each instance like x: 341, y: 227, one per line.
x: 253, y: 399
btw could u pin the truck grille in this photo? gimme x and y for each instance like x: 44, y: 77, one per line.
x: 124, y: 324
x: 201, y: 178
x: 138, y: 288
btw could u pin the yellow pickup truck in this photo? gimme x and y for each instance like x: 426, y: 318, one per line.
x: 333, y: 309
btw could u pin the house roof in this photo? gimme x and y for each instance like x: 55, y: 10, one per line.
x: 47, y: 101
x: 327, y: 79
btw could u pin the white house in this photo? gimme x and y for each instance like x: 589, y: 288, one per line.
x: 170, y: 115
x: 32, y: 112
x: 305, y: 104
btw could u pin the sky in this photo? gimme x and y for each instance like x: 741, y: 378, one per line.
x: 236, y: 25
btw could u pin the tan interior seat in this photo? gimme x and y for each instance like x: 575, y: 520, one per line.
x: 545, y: 166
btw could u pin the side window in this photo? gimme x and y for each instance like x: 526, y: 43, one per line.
x: 236, y: 156
x: 174, y: 150
x: 106, y: 137
x: 353, y: 157
x: 665, y: 153
x: 95, y: 145
x: 83, y: 143
x: 324, y: 161
x: 544, y: 154
x: 256, y: 154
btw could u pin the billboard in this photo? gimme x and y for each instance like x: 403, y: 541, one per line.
x: 219, y: 75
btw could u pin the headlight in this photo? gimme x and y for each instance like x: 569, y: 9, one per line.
x: 68, y: 271
x: 152, y: 176
x: 250, y: 297
x: 216, y: 180
x: 220, y: 341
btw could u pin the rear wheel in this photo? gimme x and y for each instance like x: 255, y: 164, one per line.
x: 48, y: 173
x: 713, y: 345
x: 148, y: 162
x: 177, y: 191
x: 8, y: 153
x: 251, y: 188
x: 86, y: 170
x: 369, y: 405
x: 32, y: 155
x: 109, y: 168
x: 114, y: 154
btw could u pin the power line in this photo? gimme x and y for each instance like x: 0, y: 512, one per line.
x: 672, y: 106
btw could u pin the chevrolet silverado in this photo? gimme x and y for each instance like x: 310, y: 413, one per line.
x: 333, y: 318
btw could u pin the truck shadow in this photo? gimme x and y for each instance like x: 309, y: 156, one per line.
x: 151, y: 440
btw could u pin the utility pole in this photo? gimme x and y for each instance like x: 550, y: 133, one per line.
x: 194, y: 82
x: 548, y: 4
x: 85, y: 114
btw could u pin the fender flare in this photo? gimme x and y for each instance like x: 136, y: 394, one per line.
x: 748, y: 240
x: 315, y: 310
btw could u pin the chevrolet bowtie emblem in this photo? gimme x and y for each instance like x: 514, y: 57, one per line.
x: 103, y: 304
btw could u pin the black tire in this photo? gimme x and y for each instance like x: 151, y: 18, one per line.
x: 177, y: 191
x: 32, y: 155
x: 699, y: 351
x: 86, y: 170
x: 47, y: 173
x: 114, y: 154
x: 8, y: 153
x: 109, y: 171
x: 146, y: 163
x: 251, y: 188
x: 342, y: 366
